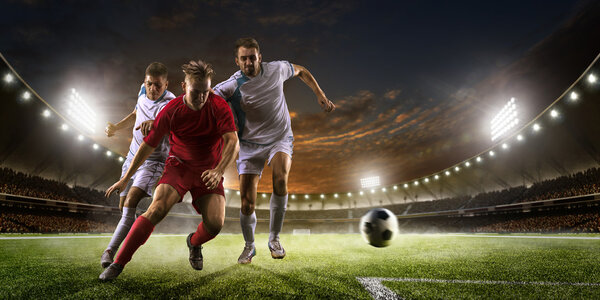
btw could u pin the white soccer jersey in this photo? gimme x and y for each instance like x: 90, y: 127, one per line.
x: 258, y: 103
x: 147, y: 109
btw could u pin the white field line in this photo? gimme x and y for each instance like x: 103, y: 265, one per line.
x: 526, y: 236
x: 74, y: 237
x: 375, y: 287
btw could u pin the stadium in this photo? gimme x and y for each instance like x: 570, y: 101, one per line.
x: 513, y: 212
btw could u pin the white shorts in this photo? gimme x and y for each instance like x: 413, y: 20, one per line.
x: 145, y: 178
x: 253, y: 156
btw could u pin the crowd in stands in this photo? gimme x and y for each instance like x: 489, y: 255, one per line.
x: 582, y: 183
x: 17, y: 183
x: 30, y: 223
x: 580, y: 223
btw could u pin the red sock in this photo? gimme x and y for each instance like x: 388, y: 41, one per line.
x: 138, y: 235
x: 201, y: 236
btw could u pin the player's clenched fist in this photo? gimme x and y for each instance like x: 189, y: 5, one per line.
x: 110, y: 129
x: 211, y: 178
x: 326, y: 105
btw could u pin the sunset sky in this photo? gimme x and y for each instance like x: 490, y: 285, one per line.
x: 415, y: 82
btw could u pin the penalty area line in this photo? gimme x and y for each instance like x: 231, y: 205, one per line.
x: 74, y: 237
x: 375, y: 287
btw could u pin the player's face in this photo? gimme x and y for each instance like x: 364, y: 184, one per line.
x: 196, y: 92
x: 248, y: 59
x: 155, y: 86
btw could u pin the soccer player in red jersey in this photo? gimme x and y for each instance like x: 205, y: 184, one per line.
x: 204, y: 142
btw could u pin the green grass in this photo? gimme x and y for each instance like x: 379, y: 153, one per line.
x: 317, y: 266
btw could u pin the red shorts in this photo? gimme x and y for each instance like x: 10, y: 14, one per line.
x: 183, y: 179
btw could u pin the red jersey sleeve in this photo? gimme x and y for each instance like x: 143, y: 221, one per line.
x: 225, y: 122
x: 160, y: 127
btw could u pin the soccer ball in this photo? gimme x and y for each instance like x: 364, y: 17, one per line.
x: 378, y: 227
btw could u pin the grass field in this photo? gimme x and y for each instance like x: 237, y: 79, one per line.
x: 317, y: 266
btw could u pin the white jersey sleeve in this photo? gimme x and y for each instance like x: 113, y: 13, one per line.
x: 286, y: 69
x: 226, y: 88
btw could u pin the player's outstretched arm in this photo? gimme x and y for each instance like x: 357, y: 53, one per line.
x: 231, y: 148
x: 311, y: 82
x: 140, y: 156
x: 111, y: 128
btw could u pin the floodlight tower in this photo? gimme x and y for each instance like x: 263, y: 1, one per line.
x: 81, y: 113
x: 505, y: 120
x: 369, y: 182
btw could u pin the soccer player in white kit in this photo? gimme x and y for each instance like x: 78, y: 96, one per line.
x: 153, y: 96
x: 264, y: 128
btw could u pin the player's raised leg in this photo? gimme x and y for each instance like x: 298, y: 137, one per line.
x: 281, y: 164
x: 164, y: 198
x: 129, y: 203
x: 212, y: 209
x: 248, y: 186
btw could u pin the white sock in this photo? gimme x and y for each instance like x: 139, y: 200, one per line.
x: 248, y: 226
x: 278, y: 207
x: 122, y: 229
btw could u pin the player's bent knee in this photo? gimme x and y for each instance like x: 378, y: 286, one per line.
x: 247, y: 208
x: 280, y: 186
x: 214, y: 226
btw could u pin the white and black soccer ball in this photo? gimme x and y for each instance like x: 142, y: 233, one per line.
x: 379, y: 227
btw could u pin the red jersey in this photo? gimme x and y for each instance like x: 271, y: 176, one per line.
x: 195, y: 137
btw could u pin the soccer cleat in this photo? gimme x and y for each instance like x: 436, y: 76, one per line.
x: 247, y: 255
x: 277, y: 251
x: 111, y: 272
x: 195, y: 254
x: 107, y: 258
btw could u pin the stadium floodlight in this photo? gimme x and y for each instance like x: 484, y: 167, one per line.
x: 536, y: 127
x: 80, y: 137
x: 505, y: 120
x: 504, y: 146
x: 416, y: 182
x: 369, y: 182
x: 9, y: 78
x: 456, y: 169
x: 592, y: 78
x: 478, y: 159
x: 335, y: 195
x: 80, y: 112
x: 264, y: 195
x: 447, y: 173
x: 406, y: 185
x: 384, y: 190
x: 426, y: 180
x: 108, y: 153
x: 26, y: 95
x: 349, y: 194
x: 492, y: 153
x: 95, y: 146
x: 395, y: 187
x: 467, y: 164
x: 372, y: 191
x: 121, y: 160
x: 361, y: 193
x: 64, y: 127
x: 519, y: 137
x: 293, y: 196
x: 46, y: 113
x: 237, y: 193
x: 323, y: 196
x: 306, y: 197
x: 554, y: 113
x: 574, y: 96
x: 436, y: 177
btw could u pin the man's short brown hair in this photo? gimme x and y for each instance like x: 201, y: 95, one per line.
x: 199, y: 70
x: 246, y: 42
x: 157, y: 69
